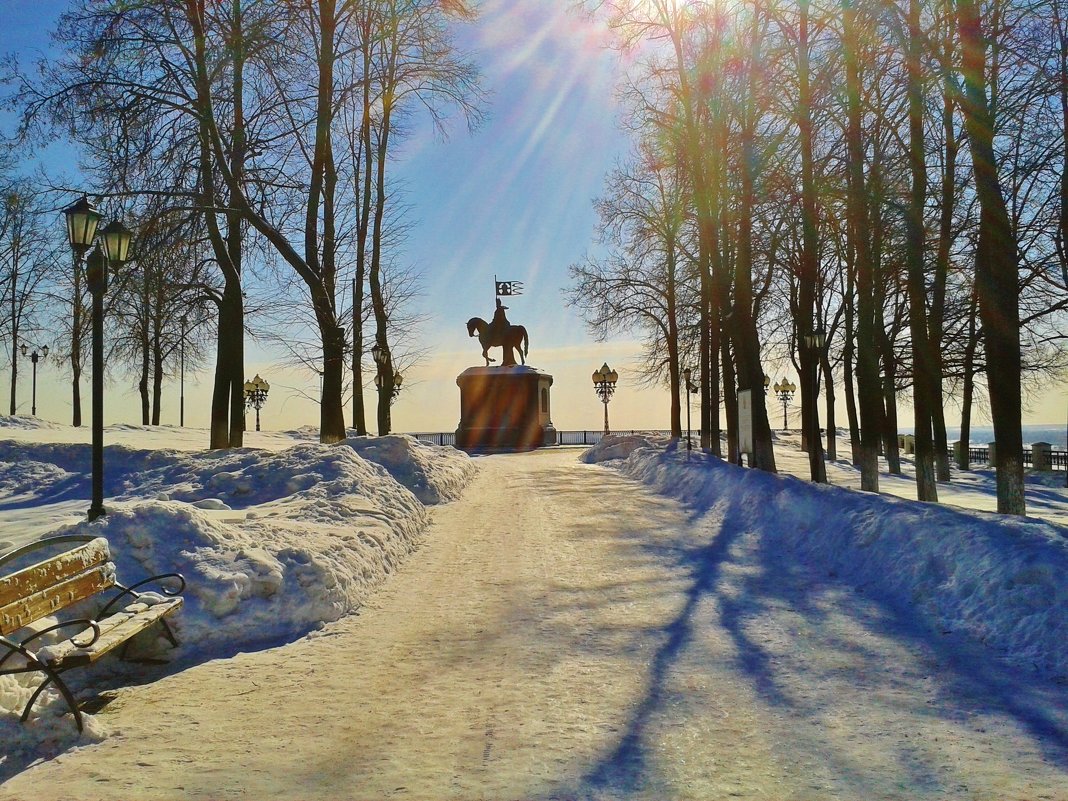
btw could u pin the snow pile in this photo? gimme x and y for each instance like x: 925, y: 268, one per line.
x: 24, y: 422
x: 272, y: 544
x: 995, y: 578
x: 433, y: 473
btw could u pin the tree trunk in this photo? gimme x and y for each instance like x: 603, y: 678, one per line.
x: 848, y: 350
x: 234, y: 298
x: 890, y: 427
x: 746, y: 337
x: 968, y: 388
x: 808, y: 269
x: 157, y: 379
x: 146, y: 366
x: 227, y: 401
x: 670, y: 301
x: 14, y: 329
x: 996, y: 269
x: 923, y: 366
x: 870, y: 405
x: 730, y: 401
x: 832, y: 424
x: 378, y: 304
x: 936, y: 322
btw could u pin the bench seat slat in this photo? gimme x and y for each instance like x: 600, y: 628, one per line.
x: 53, y: 571
x: 48, y: 601
x: 114, y: 630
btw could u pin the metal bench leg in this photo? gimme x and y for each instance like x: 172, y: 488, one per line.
x: 53, y: 678
x: 168, y: 632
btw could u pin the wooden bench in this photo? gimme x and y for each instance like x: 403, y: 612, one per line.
x: 47, y: 587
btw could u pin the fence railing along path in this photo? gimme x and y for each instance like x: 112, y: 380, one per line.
x: 1058, y: 460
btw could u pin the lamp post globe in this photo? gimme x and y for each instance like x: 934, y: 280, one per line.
x: 82, y: 220
x: 116, y: 240
x: 398, y: 380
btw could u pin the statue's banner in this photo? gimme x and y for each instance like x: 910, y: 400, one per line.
x: 509, y: 288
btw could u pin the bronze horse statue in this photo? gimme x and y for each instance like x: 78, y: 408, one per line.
x: 508, y: 337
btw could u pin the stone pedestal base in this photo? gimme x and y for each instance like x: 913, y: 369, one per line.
x: 504, y: 409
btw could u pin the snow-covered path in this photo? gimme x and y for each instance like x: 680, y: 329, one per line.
x: 565, y: 633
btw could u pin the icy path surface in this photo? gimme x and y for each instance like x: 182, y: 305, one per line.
x: 564, y: 633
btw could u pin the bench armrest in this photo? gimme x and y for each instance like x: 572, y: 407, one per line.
x: 20, y: 647
x: 132, y: 589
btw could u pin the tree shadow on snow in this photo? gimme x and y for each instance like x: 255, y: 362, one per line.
x: 736, y: 580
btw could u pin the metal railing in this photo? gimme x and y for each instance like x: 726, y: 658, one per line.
x: 562, y: 437
x: 1058, y: 460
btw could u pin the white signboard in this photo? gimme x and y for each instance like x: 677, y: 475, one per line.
x: 745, y: 421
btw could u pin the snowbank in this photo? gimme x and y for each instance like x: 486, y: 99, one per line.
x: 998, y: 579
x: 272, y: 544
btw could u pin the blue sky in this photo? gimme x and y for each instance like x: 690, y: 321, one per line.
x: 513, y: 199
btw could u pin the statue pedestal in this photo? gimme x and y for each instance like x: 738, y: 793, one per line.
x: 504, y: 409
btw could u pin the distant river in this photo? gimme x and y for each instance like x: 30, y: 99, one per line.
x: 1055, y: 435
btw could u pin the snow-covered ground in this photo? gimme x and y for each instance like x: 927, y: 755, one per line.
x: 604, y: 641
x: 274, y: 539
x: 997, y: 579
x: 1047, y: 496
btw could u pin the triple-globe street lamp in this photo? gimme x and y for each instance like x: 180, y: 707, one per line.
x: 112, y: 249
x: 785, y: 390
x: 604, y: 384
x: 256, y: 395
x: 35, y: 357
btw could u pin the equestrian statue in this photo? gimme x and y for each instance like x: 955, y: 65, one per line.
x: 500, y: 333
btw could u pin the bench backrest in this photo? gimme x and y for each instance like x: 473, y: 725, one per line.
x: 49, y: 586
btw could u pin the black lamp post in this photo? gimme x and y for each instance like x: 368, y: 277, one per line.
x: 690, y: 389
x: 183, y: 320
x: 82, y: 220
x: 34, y: 357
x: 604, y: 384
x: 256, y: 395
x: 815, y: 342
x: 785, y: 390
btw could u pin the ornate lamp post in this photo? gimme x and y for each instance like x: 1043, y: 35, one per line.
x: 183, y: 320
x: 785, y: 390
x: 82, y: 220
x: 256, y: 395
x: 34, y: 357
x: 604, y: 384
x: 814, y: 341
x: 687, y: 375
